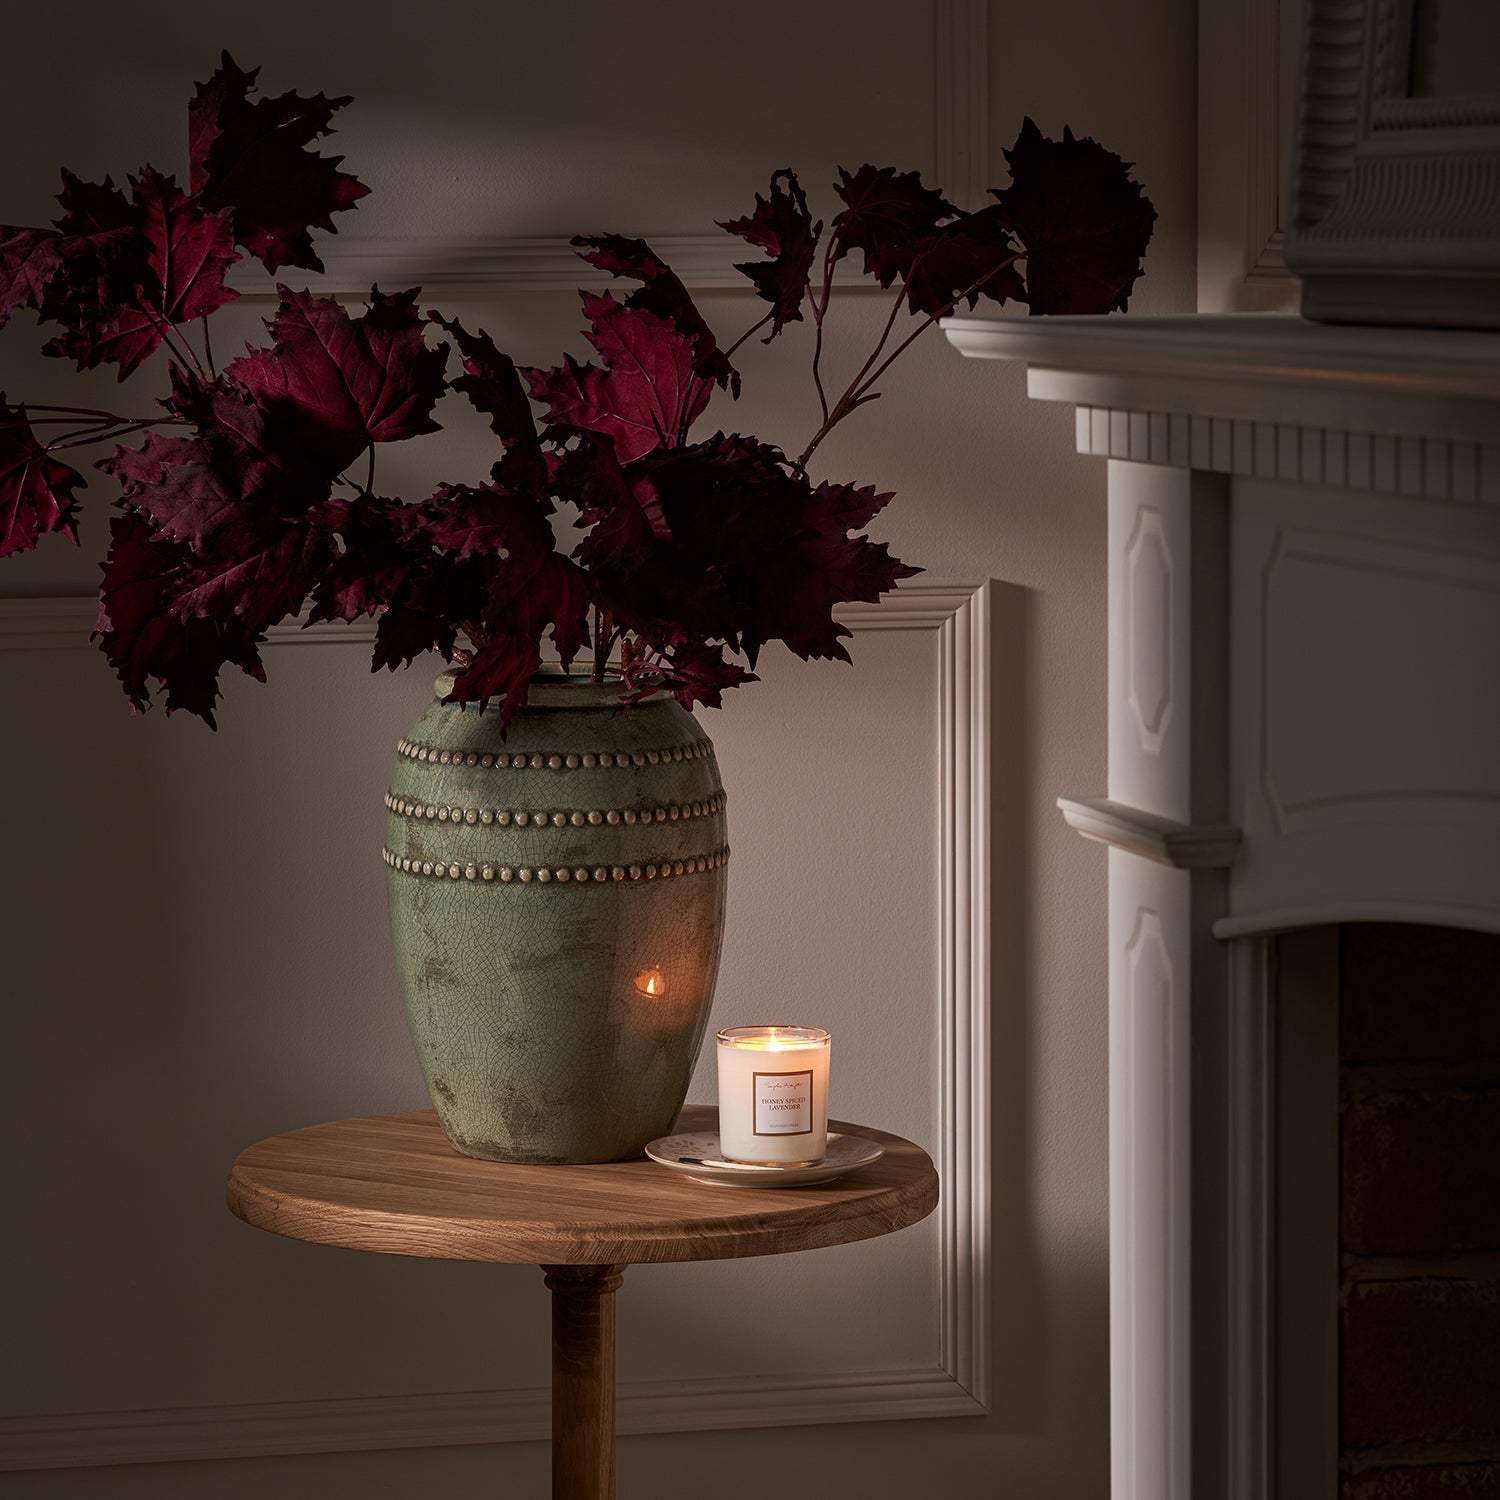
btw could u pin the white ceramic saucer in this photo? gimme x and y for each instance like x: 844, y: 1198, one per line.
x: 698, y: 1154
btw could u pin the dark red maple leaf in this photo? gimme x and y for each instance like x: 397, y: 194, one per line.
x: 793, y: 600
x: 36, y: 490
x: 725, y: 541
x: 493, y: 386
x: 588, y: 474
x: 524, y: 604
x: 662, y: 293
x: 251, y: 157
x: 488, y: 520
x: 338, y: 384
x: 103, y: 295
x: 90, y: 208
x: 784, y: 229
x: 228, y: 489
x: 378, y: 559
x: 1085, y: 224
x: 29, y: 259
x: 258, y: 586
x: 646, y: 397
x: 117, y: 272
x: 965, y: 260
x: 190, y: 250
x: 501, y: 668
x: 406, y: 631
x: 888, y: 215
x: 439, y: 596
x: 698, y: 674
x: 667, y: 587
x: 143, y: 638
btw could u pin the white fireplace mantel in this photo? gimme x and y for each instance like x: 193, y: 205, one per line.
x: 1304, y: 729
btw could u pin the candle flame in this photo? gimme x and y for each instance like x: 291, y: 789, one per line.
x: 650, y: 982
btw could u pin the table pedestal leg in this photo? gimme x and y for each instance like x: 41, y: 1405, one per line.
x: 583, y: 1380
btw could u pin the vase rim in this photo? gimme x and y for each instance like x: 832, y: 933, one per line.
x: 555, y: 687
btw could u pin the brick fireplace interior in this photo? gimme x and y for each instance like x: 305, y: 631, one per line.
x: 1419, y: 1199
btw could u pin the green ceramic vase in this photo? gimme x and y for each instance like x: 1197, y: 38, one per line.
x: 557, y: 905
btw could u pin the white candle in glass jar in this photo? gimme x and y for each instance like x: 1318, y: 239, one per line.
x: 773, y: 1094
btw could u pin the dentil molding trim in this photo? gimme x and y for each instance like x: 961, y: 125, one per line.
x: 956, y: 616
x: 550, y: 263
x: 1407, y: 411
x: 1424, y: 468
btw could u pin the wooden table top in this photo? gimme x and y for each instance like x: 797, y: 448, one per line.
x: 393, y: 1184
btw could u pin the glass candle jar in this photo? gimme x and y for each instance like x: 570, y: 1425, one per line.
x: 773, y: 1094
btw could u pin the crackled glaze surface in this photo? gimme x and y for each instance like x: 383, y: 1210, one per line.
x: 557, y: 968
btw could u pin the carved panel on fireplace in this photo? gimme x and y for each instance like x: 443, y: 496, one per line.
x: 1365, y: 649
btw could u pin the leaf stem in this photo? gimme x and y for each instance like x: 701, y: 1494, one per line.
x: 180, y: 347
x: 860, y: 388
x: 933, y: 318
x: 84, y: 439
x: 370, y: 473
x: 208, y: 348
x: 76, y: 411
x: 728, y: 353
x: 818, y: 313
x: 69, y: 422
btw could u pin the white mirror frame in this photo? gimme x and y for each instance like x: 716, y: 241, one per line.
x: 1396, y: 200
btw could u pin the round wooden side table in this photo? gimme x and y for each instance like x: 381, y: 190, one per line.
x: 393, y: 1184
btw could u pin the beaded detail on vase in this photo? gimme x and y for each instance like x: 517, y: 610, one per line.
x: 471, y: 869
x: 536, y: 760
x: 521, y: 817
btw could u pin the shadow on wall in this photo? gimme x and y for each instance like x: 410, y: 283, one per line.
x: 1019, y: 1377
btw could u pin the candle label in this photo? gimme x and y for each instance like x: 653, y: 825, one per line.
x: 783, y: 1103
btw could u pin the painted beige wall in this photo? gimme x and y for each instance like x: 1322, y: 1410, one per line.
x: 197, y: 952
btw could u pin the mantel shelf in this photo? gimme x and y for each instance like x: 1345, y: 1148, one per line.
x: 1410, y: 411
x: 1440, y: 383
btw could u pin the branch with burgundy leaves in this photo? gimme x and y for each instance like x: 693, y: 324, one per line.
x: 239, y: 508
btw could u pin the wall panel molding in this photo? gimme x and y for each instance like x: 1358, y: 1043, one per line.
x: 956, y: 617
x: 961, y: 98
x: 960, y: 87
x: 1245, y: 54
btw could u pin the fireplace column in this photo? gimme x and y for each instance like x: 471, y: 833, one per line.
x: 1165, y: 820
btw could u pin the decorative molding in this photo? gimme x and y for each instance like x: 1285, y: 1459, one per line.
x: 62, y: 622
x: 1181, y: 846
x: 705, y: 262
x: 1263, y: 354
x: 354, y: 263
x: 961, y: 97
x: 461, y: 1418
x: 1302, y: 1331
x: 1148, y: 662
x: 1250, y: 1219
x: 1268, y: 148
x: 1420, y: 467
x: 1432, y: 785
x: 1150, y: 1163
x: 1320, y: 913
x: 956, y: 614
x: 1409, y: 411
x: 1244, y: 150
x: 1395, y: 199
